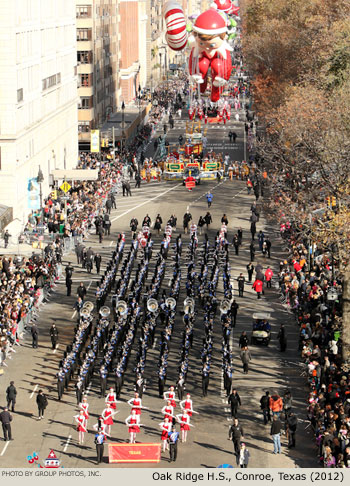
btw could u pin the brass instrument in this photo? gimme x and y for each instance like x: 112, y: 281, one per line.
x: 122, y: 307
x: 152, y: 305
x: 89, y: 306
x: 189, y: 305
x: 105, y: 311
x: 225, y: 306
x: 171, y: 303
x: 85, y: 313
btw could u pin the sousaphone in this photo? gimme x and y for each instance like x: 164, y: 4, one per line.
x: 225, y: 306
x: 105, y: 311
x: 152, y: 305
x: 189, y: 305
x: 122, y: 307
x: 89, y: 306
x: 171, y: 303
x: 85, y: 313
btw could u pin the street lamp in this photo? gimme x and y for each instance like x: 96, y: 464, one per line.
x: 165, y: 60
x: 40, y: 180
x: 123, y: 123
x: 139, y: 97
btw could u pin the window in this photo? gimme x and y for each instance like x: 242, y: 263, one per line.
x: 51, y: 81
x: 85, y: 80
x: 19, y: 95
x: 85, y: 103
x: 83, y: 12
x: 85, y: 57
x: 84, y: 127
x: 84, y: 34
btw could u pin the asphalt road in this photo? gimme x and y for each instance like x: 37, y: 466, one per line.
x: 207, y: 444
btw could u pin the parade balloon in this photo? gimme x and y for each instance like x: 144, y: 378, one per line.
x: 175, y: 23
x: 223, y: 5
x: 211, y: 51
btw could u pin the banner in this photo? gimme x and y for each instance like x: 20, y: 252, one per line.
x: 95, y: 141
x: 133, y: 453
x: 33, y: 194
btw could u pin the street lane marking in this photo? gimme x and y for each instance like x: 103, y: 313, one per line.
x: 73, y: 314
x: 4, y: 449
x: 67, y: 443
x: 111, y: 243
x: 145, y: 202
x: 56, y: 348
x: 32, y: 394
x: 89, y: 285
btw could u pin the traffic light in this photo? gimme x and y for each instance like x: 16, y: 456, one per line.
x: 54, y: 195
x: 328, y: 201
x: 334, y: 201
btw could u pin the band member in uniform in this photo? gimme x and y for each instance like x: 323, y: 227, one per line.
x: 165, y: 428
x: 111, y: 399
x: 82, y: 425
x: 107, y: 416
x: 133, y: 422
x: 84, y: 406
x: 100, y: 427
x: 185, y: 426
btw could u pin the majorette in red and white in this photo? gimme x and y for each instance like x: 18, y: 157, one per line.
x: 136, y: 404
x: 85, y: 407
x: 107, y: 416
x: 187, y: 405
x: 111, y: 398
x: 133, y: 422
x: 168, y: 411
x: 165, y: 428
x: 82, y: 425
x: 170, y: 395
x: 185, y: 425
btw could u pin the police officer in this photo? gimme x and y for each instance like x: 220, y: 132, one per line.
x: 11, y: 394
x: 234, y: 400
x: 54, y: 335
x: 236, y: 434
x: 6, y: 419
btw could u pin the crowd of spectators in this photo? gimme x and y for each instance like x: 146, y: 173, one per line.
x: 21, y: 291
x: 308, y: 286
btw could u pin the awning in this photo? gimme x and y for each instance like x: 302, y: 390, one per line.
x: 6, y: 216
x: 76, y: 175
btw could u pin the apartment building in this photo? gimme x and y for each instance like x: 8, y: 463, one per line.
x: 38, y: 97
x: 133, y: 54
x: 98, y: 57
x: 159, y: 55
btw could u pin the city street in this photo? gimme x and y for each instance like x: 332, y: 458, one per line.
x: 208, y: 444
